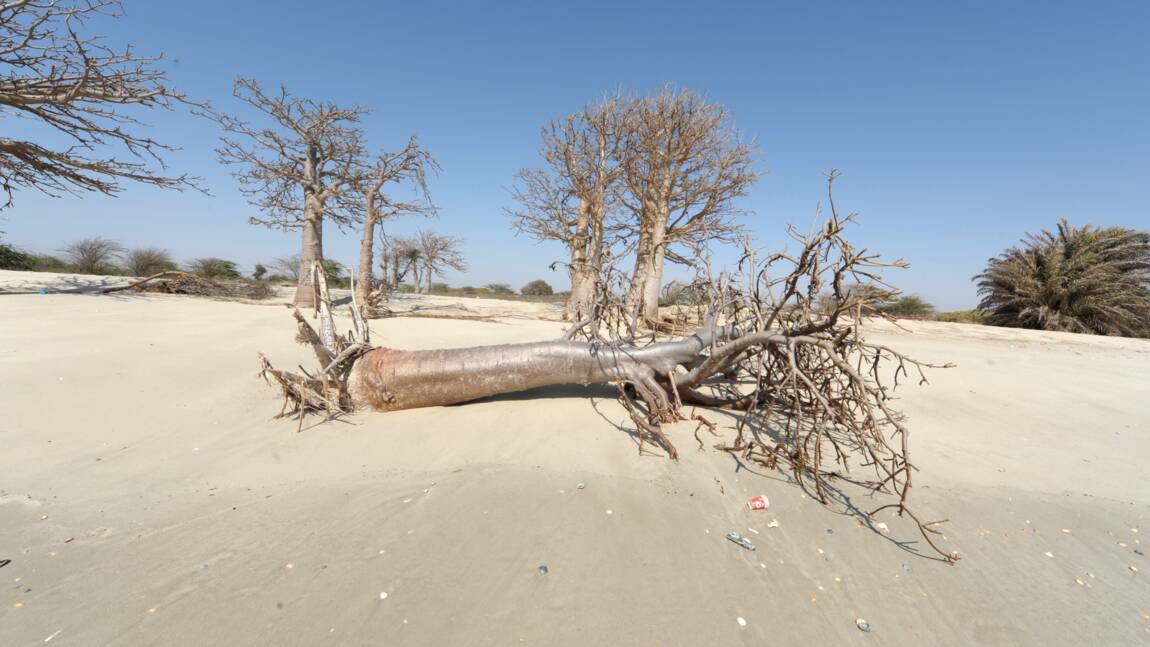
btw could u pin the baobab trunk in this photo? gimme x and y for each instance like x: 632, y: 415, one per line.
x: 311, y: 251
x: 385, y: 379
x: 364, y: 281
x: 643, y: 295
x: 582, y: 296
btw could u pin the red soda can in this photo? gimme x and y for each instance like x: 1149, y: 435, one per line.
x: 759, y: 503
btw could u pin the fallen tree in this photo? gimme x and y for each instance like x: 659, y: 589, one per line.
x: 812, y: 395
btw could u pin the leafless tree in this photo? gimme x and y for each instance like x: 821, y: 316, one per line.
x: 683, y: 166
x: 146, y: 261
x: 287, y: 266
x: 811, y: 395
x: 62, y: 84
x: 299, y: 169
x: 571, y: 198
x: 437, y: 254
x: 406, y: 166
x: 400, y: 257
x: 93, y: 255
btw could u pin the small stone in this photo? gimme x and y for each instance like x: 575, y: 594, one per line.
x: 69, y: 540
x: 1066, y: 530
x: 19, y: 605
x: 1049, y: 554
x: 906, y: 567
x: 773, y: 524
x: 863, y: 625
x: 742, y: 621
x: 1133, y: 569
x: 543, y: 570
x: 43, y: 517
x: 830, y: 532
x: 580, y: 486
x: 1138, y: 551
x: 383, y: 595
x: 882, y: 526
x: 1079, y: 582
x: 407, y: 500
x: 290, y: 565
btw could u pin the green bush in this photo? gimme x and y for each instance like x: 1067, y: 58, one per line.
x: 259, y: 271
x: 214, y: 268
x: 406, y: 288
x: 538, y: 287
x: 500, y: 288
x: 1073, y: 279
x: 909, y: 306
x: 12, y: 258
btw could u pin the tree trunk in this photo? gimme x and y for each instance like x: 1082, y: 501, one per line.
x: 582, y: 295
x: 366, y: 258
x: 311, y: 251
x: 389, y: 380
x: 649, y: 305
x: 634, y: 299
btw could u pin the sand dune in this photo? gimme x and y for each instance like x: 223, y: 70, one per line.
x: 147, y: 497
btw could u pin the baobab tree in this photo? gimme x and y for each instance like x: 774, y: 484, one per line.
x: 571, y: 198
x: 682, y: 165
x: 394, y: 259
x: 406, y: 166
x: 804, y: 377
x: 437, y: 254
x: 77, y: 90
x: 299, y: 169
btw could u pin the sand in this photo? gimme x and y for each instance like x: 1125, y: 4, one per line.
x: 148, y: 498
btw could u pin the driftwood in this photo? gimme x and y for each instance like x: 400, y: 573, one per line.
x: 812, y: 396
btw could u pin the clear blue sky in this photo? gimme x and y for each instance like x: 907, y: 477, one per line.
x: 957, y: 126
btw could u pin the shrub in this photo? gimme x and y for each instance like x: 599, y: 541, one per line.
x: 538, y: 287
x: 259, y: 271
x: 214, y: 268
x: 147, y: 261
x: 439, y: 288
x: 500, y: 288
x: 93, y: 255
x: 909, y: 306
x: 406, y: 288
x: 12, y: 258
x: 1075, y: 279
x: 963, y: 316
x: 47, y: 263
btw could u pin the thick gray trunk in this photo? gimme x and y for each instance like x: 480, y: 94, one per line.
x: 388, y: 380
x: 364, y: 281
x: 311, y: 251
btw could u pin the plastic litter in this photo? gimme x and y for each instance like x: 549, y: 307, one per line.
x: 543, y: 570
x: 740, y: 540
x: 742, y: 621
x: 760, y: 502
x: 863, y: 625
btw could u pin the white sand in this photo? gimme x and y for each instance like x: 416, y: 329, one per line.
x: 178, y: 513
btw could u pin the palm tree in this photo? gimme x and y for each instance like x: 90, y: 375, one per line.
x: 1077, y: 279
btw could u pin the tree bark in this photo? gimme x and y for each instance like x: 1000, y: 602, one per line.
x: 364, y: 281
x: 311, y: 251
x: 385, y: 379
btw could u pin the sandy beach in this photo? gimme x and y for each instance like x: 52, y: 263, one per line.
x: 147, y: 497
